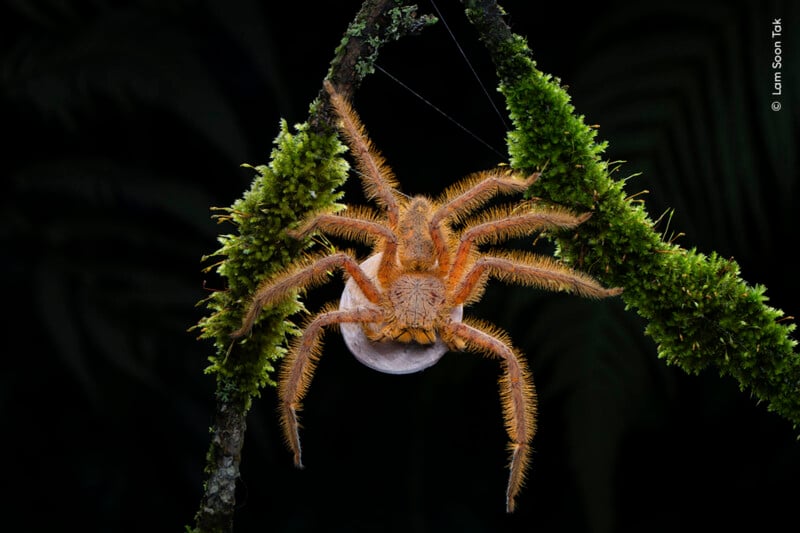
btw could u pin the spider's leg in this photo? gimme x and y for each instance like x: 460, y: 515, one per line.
x: 474, y: 191
x: 468, y: 195
x: 517, y: 392
x: 359, y: 224
x: 527, y: 269
x: 311, y: 272
x: 505, y: 223
x: 301, y: 361
x: 356, y: 224
x: 378, y: 179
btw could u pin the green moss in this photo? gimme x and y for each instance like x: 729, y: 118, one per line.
x: 399, y: 21
x: 305, y: 173
x: 700, y: 312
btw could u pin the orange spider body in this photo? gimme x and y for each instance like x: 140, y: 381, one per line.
x: 430, y: 265
x: 415, y: 299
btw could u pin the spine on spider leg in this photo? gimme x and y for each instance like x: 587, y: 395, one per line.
x: 517, y: 393
x: 474, y: 191
x: 296, y: 373
x: 527, y: 269
x: 301, y: 362
x: 507, y: 222
x: 461, y: 199
x: 357, y: 224
x: 680, y: 292
x: 378, y: 179
x: 496, y: 225
x: 310, y: 272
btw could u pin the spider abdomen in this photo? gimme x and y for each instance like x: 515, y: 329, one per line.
x: 416, y: 302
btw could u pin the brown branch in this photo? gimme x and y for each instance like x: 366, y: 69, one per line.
x: 219, y: 499
x: 377, y: 22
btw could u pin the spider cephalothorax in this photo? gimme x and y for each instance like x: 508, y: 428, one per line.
x: 430, y: 264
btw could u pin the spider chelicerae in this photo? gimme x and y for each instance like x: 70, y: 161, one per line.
x: 426, y: 264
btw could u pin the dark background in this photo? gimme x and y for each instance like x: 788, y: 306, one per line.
x: 126, y: 122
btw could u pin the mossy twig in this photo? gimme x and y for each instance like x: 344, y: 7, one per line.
x: 700, y: 312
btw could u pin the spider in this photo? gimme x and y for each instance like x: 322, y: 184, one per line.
x: 426, y: 264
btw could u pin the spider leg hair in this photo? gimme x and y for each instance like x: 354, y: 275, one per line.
x: 507, y: 222
x: 301, y: 361
x: 311, y: 271
x: 467, y: 195
x: 357, y: 224
x: 475, y: 190
x: 523, y: 268
x: 517, y: 393
x: 464, y: 197
x: 377, y: 178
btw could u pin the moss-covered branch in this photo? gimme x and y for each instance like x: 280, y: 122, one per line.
x: 305, y: 173
x: 700, y: 312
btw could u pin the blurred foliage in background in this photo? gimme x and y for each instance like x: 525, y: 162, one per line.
x: 126, y: 122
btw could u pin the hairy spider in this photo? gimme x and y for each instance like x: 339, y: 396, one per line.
x: 426, y: 264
